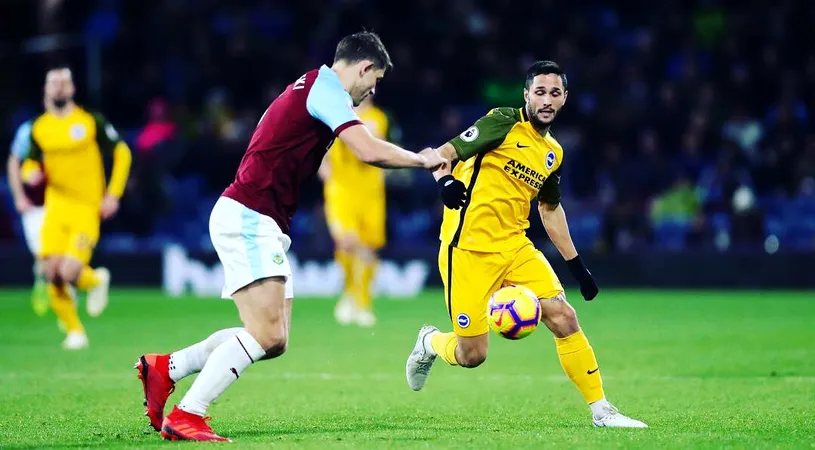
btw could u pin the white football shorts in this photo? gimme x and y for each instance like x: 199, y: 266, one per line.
x: 250, y: 245
x: 32, y: 227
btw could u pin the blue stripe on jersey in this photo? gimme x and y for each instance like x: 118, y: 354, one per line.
x: 250, y: 220
x: 21, y: 145
x: 328, y: 101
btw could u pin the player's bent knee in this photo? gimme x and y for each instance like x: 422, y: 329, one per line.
x: 559, y: 316
x: 51, y: 269
x: 69, y: 270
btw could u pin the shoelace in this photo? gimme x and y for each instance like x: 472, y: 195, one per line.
x: 423, y: 368
x: 611, y: 411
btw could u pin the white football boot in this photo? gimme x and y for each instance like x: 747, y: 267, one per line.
x: 421, y: 359
x: 346, y: 311
x: 75, y: 340
x: 365, y: 318
x: 611, y: 417
x: 98, y: 297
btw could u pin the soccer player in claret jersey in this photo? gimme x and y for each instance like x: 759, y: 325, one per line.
x: 510, y: 155
x: 250, y: 222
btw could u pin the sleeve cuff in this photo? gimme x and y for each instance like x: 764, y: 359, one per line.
x: 342, y: 127
x: 461, y: 155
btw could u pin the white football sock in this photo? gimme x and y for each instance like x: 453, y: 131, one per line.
x: 224, y: 366
x: 600, y: 408
x: 428, y: 347
x: 192, y: 359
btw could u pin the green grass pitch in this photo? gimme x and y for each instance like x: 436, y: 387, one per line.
x: 703, y: 369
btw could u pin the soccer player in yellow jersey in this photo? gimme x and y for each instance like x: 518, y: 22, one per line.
x: 508, y: 159
x: 357, y: 227
x: 71, y: 142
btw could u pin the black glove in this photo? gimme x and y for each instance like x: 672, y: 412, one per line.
x: 588, y: 287
x: 453, y: 192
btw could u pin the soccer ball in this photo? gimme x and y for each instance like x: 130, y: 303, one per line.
x: 514, y: 312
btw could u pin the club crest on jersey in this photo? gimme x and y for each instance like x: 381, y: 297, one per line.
x: 77, y: 131
x: 463, y: 320
x: 277, y: 258
x: 550, y: 159
x: 470, y: 134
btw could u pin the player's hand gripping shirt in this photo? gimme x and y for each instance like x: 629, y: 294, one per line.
x: 506, y: 164
x: 289, y: 143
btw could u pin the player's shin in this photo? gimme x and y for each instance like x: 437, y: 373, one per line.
x: 366, y: 269
x: 445, y: 345
x: 225, y: 365
x: 88, y: 279
x: 346, y: 262
x: 578, y: 361
x: 39, y: 295
x: 65, y: 308
x: 190, y: 360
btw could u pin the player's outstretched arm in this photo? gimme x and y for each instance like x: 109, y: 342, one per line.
x: 379, y: 153
x: 554, y: 220
x: 452, y: 191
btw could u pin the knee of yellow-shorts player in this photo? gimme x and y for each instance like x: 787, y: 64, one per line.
x: 69, y: 270
x: 559, y: 316
x: 51, y: 266
x: 471, y: 356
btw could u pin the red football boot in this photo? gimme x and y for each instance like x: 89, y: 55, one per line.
x: 180, y: 425
x: 154, y: 373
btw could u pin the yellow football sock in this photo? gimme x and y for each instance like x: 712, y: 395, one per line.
x: 64, y: 307
x: 445, y: 345
x: 578, y: 361
x: 346, y: 263
x: 366, y: 270
x: 88, y: 279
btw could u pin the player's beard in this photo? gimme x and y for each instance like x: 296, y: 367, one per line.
x: 60, y: 102
x: 541, y: 126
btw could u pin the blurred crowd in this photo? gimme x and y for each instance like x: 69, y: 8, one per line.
x: 688, y: 123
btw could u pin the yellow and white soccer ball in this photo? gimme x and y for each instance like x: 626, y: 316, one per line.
x: 514, y: 312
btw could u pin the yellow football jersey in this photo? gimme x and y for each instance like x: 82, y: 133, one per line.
x: 70, y: 149
x: 505, y: 164
x: 347, y: 170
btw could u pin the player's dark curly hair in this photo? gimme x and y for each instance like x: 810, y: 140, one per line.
x: 361, y: 46
x: 545, y: 67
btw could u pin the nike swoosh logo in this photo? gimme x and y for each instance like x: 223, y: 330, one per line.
x: 518, y: 144
x: 589, y: 372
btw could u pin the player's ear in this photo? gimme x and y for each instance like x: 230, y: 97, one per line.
x: 365, y: 67
x: 565, y: 96
x: 526, y: 95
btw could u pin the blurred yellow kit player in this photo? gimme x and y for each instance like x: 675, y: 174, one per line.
x: 70, y: 142
x: 355, y: 212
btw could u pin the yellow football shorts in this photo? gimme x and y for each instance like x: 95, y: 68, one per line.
x: 70, y: 230
x: 361, y: 215
x: 470, y: 278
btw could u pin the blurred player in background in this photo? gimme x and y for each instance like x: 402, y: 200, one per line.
x: 508, y: 159
x: 355, y: 212
x: 250, y: 223
x: 28, y: 189
x: 71, y: 143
